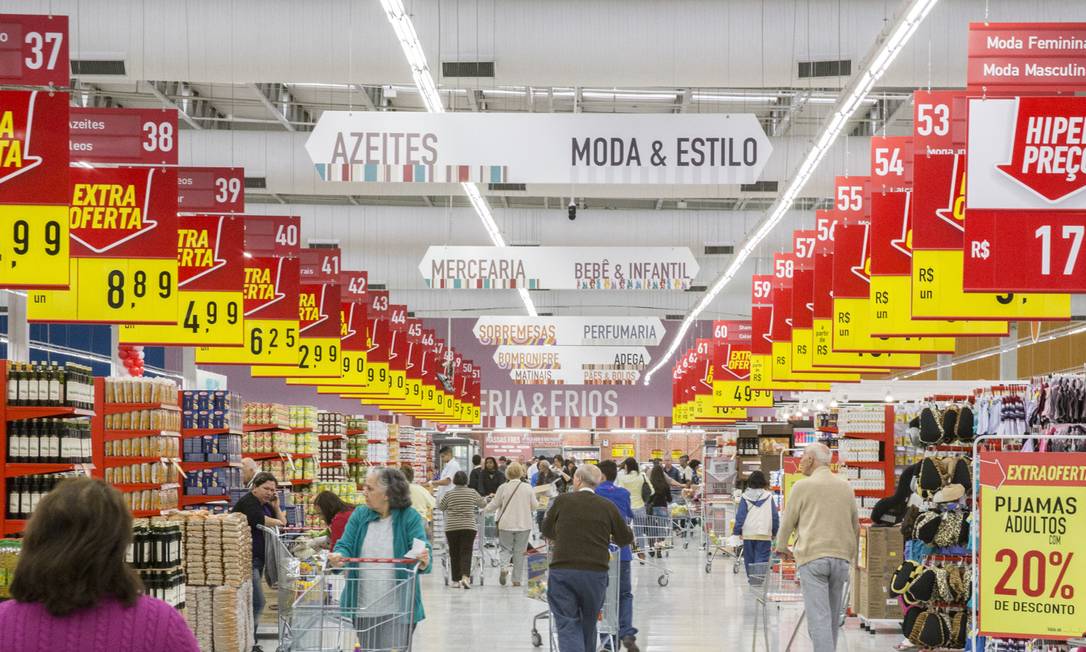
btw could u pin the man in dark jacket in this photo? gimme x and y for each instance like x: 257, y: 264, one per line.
x: 581, y: 526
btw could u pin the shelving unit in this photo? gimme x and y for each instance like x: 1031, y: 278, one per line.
x: 8, y: 470
x: 886, y: 451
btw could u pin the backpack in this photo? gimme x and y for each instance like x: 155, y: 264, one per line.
x: 646, y: 489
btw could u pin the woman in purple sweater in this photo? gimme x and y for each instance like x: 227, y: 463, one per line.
x: 73, y: 590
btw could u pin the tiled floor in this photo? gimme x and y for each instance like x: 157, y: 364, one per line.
x: 695, y: 612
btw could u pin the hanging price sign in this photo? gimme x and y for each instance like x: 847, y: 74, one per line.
x: 123, y: 244
x: 34, y: 50
x: 123, y: 136
x: 211, y: 269
x: 318, y: 319
x: 731, y: 367
x: 211, y: 190
x: 271, y: 316
x: 1031, y: 561
x: 938, y: 208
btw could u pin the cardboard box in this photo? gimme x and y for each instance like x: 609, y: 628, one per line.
x: 875, y: 600
x: 880, y: 549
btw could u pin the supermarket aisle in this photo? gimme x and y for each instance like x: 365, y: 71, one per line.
x: 694, y: 613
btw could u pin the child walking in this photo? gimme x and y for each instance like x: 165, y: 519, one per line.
x: 756, y: 520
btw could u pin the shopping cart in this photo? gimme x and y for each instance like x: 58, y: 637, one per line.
x: 487, y: 542
x: 536, y: 589
x: 777, y: 581
x: 658, y: 531
x: 371, y: 606
x: 718, y: 516
x: 441, y: 551
x: 684, y: 517
x: 290, y: 570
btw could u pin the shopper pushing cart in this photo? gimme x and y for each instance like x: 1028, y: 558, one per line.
x: 756, y: 521
x: 581, y: 527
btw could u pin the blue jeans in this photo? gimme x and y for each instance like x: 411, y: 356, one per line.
x: 258, y: 596
x: 575, y: 598
x: 755, y: 552
x: 625, y: 602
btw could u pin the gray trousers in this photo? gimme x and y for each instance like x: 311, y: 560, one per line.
x: 513, y: 544
x: 823, y: 583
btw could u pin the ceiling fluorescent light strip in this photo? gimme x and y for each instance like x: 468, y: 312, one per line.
x: 851, y: 99
x: 424, y: 81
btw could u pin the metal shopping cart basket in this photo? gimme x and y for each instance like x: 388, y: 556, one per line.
x: 718, y: 517
x: 684, y: 517
x: 479, y: 550
x: 536, y: 589
x: 288, y: 574
x: 370, y: 604
x: 658, y: 534
x: 777, y: 582
x: 488, y: 544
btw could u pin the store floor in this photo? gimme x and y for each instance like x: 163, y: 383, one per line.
x: 695, y: 612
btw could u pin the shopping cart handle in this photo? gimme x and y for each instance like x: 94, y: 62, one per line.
x: 375, y: 560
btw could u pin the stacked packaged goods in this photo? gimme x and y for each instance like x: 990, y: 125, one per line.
x: 47, y: 384
x: 269, y: 414
x: 9, y: 557
x: 157, y: 554
x: 302, y: 416
x: 218, y: 562
x: 129, y: 390
x: 332, y: 436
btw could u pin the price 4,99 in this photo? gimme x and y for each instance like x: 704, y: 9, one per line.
x: 208, y: 315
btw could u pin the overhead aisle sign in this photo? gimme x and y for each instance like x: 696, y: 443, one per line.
x: 123, y: 242
x: 123, y: 136
x: 762, y: 361
x: 525, y: 148
x: 569, y: 331
x: 270, y: 296
x: 572, y: 365
x: 1024, y: 193
x: 891, y: 249
x: 34, y: 187
x: 34, y: 50
x: 1027, y: 57
x: 559, y: 268
x: 939, y: 216
x: 211, y: 190
x: 211, y: 279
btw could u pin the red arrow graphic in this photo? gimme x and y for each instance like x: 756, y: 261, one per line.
x: 957, y: 190
x: 992, y: 473
x: 901, y: 244
x: 861, y: 269
x: 1045, y: 140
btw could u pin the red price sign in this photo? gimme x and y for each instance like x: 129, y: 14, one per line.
x: 355, y: 285
x: 34, y: 50
x: 850, y: 198
x: 131, y: 136
x: 852, y: 262
x: 1047, y: 247
x: 939, y: 169
x: 273, y: 235
x: 320, y: 264
x: 33, y: 148
x: 891, y: 163
x: 211, y: 190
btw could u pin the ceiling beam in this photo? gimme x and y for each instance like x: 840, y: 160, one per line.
x: 685, y: 100
x: 473, y: 99
x: 152, y: 86
x: 262, y: 91
x: 659, y: 204
x: 366, y: 99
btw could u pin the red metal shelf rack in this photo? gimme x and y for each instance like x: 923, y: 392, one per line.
x: 888, y: 464
x: 188, y: 433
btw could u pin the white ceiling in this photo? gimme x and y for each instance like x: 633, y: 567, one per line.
x: 247, y: 71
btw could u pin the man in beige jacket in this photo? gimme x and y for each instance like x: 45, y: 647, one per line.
x: 821, y: 510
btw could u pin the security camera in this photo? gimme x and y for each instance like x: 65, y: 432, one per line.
x: 571, y: 210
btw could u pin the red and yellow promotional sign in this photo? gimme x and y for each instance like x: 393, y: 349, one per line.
x: 34, y: 189
x: 1032, y: 570
x: 319, y: 329
x: 764, y: 359
x: 123, y: 136
x: 731, y: 367
x: 270, y: 296
x: 34, y: 50
x: 211, y: 273
x: 938, y: 209
x: 353, y: 340
x: 123, y: 243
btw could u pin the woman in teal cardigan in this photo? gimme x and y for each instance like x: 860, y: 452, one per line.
x: 386, y: 527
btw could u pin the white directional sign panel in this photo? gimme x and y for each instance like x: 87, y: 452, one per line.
x: 569, y: 331
x: 573, y: 365
x: 566, y: 268
x: 394, y: 146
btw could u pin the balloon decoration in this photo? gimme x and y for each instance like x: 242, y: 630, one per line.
x: 131, y: 357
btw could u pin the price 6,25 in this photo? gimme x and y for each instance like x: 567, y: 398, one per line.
x: 259, y: 340
x: 117, y: 291
x: 209, y: 316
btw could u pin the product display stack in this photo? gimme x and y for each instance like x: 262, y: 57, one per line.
x: 377, y: 437
x: 332, y: 435
x: 281, y: 439
x: 9, y: 557
x: 218, y: 563
x: 865, y: 448
x: 212, y: 445
x: 157, y: 553
x: 357, y: 450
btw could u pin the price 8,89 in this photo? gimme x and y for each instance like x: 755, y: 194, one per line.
x: 136, y: 290
x: 33, y: 246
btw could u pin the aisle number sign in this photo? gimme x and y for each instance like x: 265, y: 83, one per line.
x: 1031, y: 563
x: 34, y: 189
x: 939, y: 216
x: 123, y: 245
x: 34, y: 50
x: 211, y: 273
x: 123, y: 136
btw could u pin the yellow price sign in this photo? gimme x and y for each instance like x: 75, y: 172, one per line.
x: 1032, y: 571
x: 267, y: 341
x: 735, y: 393
x: 761, y: 377
x: 891, y: 314
x: 822, y: 353
x: 318, y: 358
x: 804, y: 355
x: 203, y: 319
x: 111, y: 291
x: 937, y: 293
x: 782, y: 368
x: 34, y: 246
x: 852, y: 332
